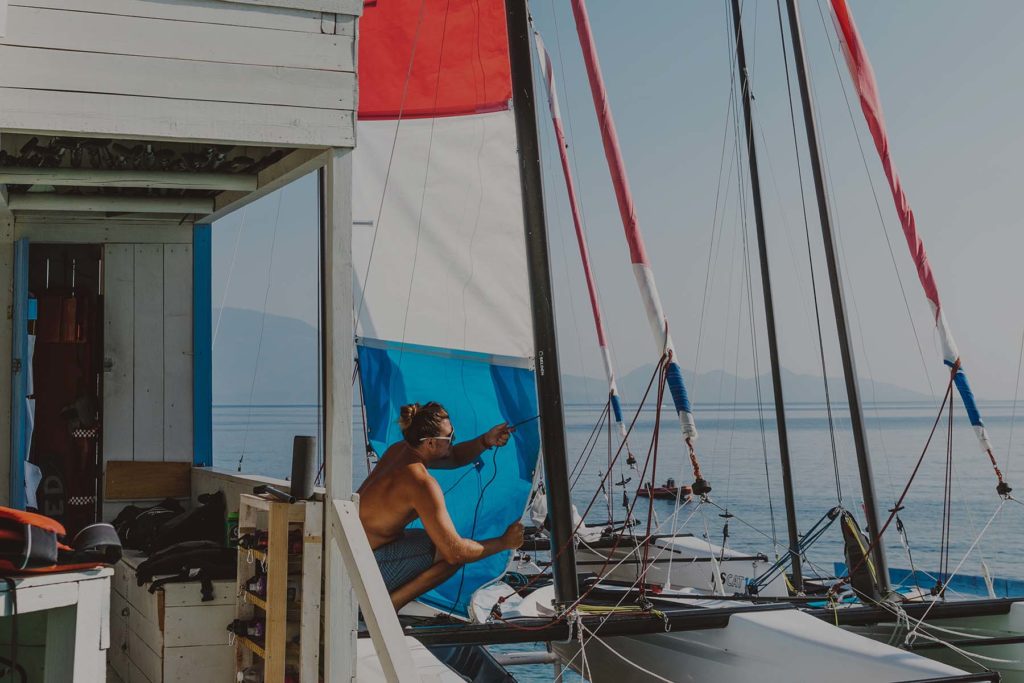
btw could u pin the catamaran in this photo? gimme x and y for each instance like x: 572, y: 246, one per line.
x: 979, y: 633
x: 453, y: 305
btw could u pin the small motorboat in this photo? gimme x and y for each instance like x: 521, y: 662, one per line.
x: 668, y: 490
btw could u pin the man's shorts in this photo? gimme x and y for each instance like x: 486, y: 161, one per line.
x: 404, y: 559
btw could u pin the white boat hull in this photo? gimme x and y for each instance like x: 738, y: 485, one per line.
x: 960, y: 629
x: 774, y: 646
x: 695, y: 563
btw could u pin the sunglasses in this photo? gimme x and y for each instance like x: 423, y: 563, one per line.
x: 450, y: 438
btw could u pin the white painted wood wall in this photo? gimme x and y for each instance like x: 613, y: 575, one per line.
x: 147, y: 391
x: 258, y: 71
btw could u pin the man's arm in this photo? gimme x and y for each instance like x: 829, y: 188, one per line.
x: 428, y: 501
x: 467, y: 451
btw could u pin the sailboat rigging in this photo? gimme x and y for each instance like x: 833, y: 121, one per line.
x: 449, y: 166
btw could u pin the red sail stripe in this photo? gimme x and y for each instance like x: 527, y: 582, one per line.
x: 459, y: 55
x: 637, y: 250
x: 864, y: 79
x: 570, y: 186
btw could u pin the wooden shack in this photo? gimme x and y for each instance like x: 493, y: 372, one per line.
x: 126, y: 128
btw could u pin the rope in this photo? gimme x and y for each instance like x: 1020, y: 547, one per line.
x: 654, y: 469
x: 913, y: 633
x: 906, y: 489
x: 588, y: 447
x: 560, y: 551
x: 810, y: 260
x: 648, y: 672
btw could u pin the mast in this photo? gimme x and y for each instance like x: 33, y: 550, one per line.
x: 769, y: 305
x: 549, y: 391
x: 637, y: 250
x: 835, y: 282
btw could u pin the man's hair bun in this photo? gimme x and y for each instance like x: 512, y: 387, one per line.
x: 407, y: 414
x: 421, y: 421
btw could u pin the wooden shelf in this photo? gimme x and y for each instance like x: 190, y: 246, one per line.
x: 257, y: 554
x: 251, y: 646
x: 254, y: 599
x: 278, y: 520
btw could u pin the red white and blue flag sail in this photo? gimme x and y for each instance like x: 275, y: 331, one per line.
x: 863, y: 77
x: 441, y: 287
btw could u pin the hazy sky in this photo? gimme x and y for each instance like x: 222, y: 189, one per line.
x: 948, y: 73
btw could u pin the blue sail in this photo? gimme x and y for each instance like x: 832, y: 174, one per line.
x: 479, y: 391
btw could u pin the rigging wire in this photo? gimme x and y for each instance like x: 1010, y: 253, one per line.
x: 1013, y: 411
x: 358, y: 310
x: 227, y: 284
x: 752, y: 318
x: 423, y: 190
x: 878, y: 205
x: 577, y: 176
x: 810, y: 259
x: 263, y: 321
x: 561, y: 229
x: 892, y: 257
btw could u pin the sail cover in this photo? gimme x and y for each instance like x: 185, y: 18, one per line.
x: 863, y: 77
x: 441, y: 293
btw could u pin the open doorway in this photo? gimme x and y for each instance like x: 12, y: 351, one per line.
x: 66, y: 381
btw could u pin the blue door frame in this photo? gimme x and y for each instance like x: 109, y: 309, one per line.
x: 19, y: 375
x: 202, y: 351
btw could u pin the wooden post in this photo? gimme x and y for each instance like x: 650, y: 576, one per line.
x: 6, y: 335
x: 277, y: 591
x: 336, y: 333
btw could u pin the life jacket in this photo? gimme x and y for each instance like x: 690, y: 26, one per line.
x: 31, y: 543
x: 203, y: 561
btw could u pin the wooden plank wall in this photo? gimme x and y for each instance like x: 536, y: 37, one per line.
x: 201, y: 70
x: 147, y: 392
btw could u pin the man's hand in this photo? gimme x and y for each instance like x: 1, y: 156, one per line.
x: 513, y: 536
x: 496, y: 435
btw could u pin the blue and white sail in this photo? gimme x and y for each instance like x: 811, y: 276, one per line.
x: 442, y: 294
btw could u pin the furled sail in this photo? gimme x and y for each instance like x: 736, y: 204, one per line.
x: 637, y: 250
x: 548, y: 72
x: 442, y: 294
x: 863, y: 77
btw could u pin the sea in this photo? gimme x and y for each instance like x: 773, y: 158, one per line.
x: 738, y: 451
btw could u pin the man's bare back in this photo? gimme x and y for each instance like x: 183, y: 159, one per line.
x: 400, y: 490
x: 385, y: 501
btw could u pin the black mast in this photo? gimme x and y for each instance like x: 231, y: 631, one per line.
x: 845, y: 347
x: 549, y: 390
x: 769, y: 306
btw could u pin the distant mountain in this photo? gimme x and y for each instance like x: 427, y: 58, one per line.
x: 718, y: 386
x: 287, y: 371
x: 287, y: 368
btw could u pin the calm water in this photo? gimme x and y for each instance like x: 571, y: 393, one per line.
x: 733, y: 446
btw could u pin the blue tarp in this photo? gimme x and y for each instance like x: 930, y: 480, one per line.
x: 479, y: 392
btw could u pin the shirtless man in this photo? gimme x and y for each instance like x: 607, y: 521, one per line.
x: 400, y: 490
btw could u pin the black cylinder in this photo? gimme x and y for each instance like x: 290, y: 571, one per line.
x: 303, y: 467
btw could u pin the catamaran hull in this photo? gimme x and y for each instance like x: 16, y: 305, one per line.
x: 772, y: 646
x: 983, y: 637
x: 695, y: 563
